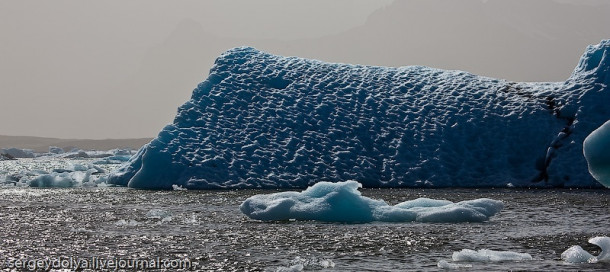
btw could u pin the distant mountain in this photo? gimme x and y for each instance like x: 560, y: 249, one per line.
x: 41, y: 144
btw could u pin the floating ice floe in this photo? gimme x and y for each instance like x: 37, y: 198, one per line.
x: 486, y: 255
x: 342, y: 202
x: 577, y: 254
x: 597, y: 152
x: 481, y: 256
x: 266, y: 121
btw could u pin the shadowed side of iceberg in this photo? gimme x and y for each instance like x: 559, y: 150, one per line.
x: 265, y: 121
x: 587, y: 112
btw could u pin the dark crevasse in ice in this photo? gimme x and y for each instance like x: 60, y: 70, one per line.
x: 266, y: 121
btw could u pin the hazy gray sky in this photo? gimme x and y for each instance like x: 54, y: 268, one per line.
x: 119, y: 69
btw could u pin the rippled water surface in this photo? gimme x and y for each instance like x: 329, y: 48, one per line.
x: 207, y: 228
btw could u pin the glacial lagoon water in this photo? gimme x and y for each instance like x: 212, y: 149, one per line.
x: 207, y: 229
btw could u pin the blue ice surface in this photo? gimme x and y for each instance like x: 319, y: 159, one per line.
x: 597, y: 152
x: 266, y: 121
x: 342, y: 202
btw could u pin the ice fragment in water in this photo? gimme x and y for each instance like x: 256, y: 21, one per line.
x: 576, y: 254
x: 342, y: 202
x: 486, y: 255
x: 597, y: 151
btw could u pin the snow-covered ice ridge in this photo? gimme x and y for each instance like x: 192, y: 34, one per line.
x: 266, y: 121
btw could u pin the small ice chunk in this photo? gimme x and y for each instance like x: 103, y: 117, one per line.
x: 300, y: 264
x: 178, y: 187
x: 342, y: 202
x: 596, y: 148
x: 52, y: 180
x: 604, y: 244
x: 486, y: 255
x: 447, y: 265
x: 39, y: 172
x: 130, y: 223
x: 77, y: 167
x: 576, y: 254
x: 80, y: 154
x: 81, y: 230
x: 293, y: 268
x: 56, y: 150
x: 191, y: 220
x: 158, y: 214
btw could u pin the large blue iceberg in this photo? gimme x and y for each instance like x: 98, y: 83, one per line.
x: 266, y: 121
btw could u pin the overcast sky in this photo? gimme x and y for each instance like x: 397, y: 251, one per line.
x: 120, y: 68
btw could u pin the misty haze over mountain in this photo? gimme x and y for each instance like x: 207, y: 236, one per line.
x: 90, y: 69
